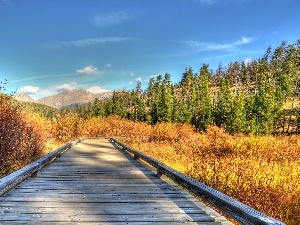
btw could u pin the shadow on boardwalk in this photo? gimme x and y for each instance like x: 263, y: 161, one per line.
x: 94, y: 182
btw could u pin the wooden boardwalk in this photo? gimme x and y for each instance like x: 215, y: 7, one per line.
x: 95, y: 183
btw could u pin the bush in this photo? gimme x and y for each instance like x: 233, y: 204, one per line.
x: 21, y: 139
x: 67, y: 127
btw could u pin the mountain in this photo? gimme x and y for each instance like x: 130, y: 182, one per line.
x: 78, y: 96
x: 23, y: 98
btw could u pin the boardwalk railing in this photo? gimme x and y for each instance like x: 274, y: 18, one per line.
x: 235, y: 209
x: 10, y: 181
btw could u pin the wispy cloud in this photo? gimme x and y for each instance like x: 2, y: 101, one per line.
x: 108, y: 65
x: 221, y: 56
x: 111, y: 18
x: 42, y: 77
x: 86, y: 42
x: 88, y: 70
x: 210, y: 46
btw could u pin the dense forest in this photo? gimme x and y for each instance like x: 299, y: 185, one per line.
x: 259, y: 97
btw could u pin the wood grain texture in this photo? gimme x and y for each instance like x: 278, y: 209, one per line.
x: 95, y: 183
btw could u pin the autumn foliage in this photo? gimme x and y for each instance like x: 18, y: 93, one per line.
x: 260, y: 171
x: 21, y: 136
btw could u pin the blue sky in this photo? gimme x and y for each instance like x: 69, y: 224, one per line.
x: 49, y: 46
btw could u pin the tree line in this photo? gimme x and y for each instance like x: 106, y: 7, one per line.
x: 242, y: 97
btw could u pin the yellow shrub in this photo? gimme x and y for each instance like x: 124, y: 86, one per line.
x: 21, y: 136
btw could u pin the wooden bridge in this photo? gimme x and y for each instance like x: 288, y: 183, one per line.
x: 96, y: 182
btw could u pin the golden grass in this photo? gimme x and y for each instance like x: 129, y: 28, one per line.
x: 262, y: 172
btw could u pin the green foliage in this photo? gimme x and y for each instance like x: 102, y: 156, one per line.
x: 250, y: 96
x: 40, y: 109
x: 203, y: 103
x: 165, y: 100
x: 224, y: 107
x: 239, y: 115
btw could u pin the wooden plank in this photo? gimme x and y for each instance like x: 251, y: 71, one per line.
x: 182, y: 205
x: 122, y: 223
x: 105, y: 218
x: 116, y: 210
x: 95, y: 183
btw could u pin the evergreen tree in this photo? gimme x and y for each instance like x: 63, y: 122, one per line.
x: 165, y: 104
x: 224, y: 107
x: 155, y: 98
x: 188, y: 96
x: 138, y: 104
x: 98, y: 109
x: 203, y: 107
x: 238, y: 123
x: 266, y: 108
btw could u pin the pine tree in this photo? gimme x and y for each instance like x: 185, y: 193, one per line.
x: 155, y: 98
x: 165, y: 104
x: 203, y: 107
x: 266, y: 108
x: 137, y: 104
x: 98, y: 109
x: 187, y: 95
x: 238, y: 123
x: 224, y: 105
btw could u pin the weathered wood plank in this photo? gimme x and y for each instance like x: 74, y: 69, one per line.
x: 103, y: 210
x: 96, y: 183
x: 182, y: 205
x: 123, y: 223
x: 105, y: 218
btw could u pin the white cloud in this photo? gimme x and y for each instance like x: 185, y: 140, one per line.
x: 108, y: 65
x: 86, y: 42
x: 87, y: 70
x: 111, y: 19
x: 154, y: 76
x: 248, y: 60
x: 243, y: 40
x: 139, y: 79
x: 96, y: 89
x: 131, y: 74
x: 31, y: 90
x: 65, y: 87
x: 210, y: 46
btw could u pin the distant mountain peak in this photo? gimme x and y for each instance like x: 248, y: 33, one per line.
x: 23, y: 97
x: 77, y: 96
